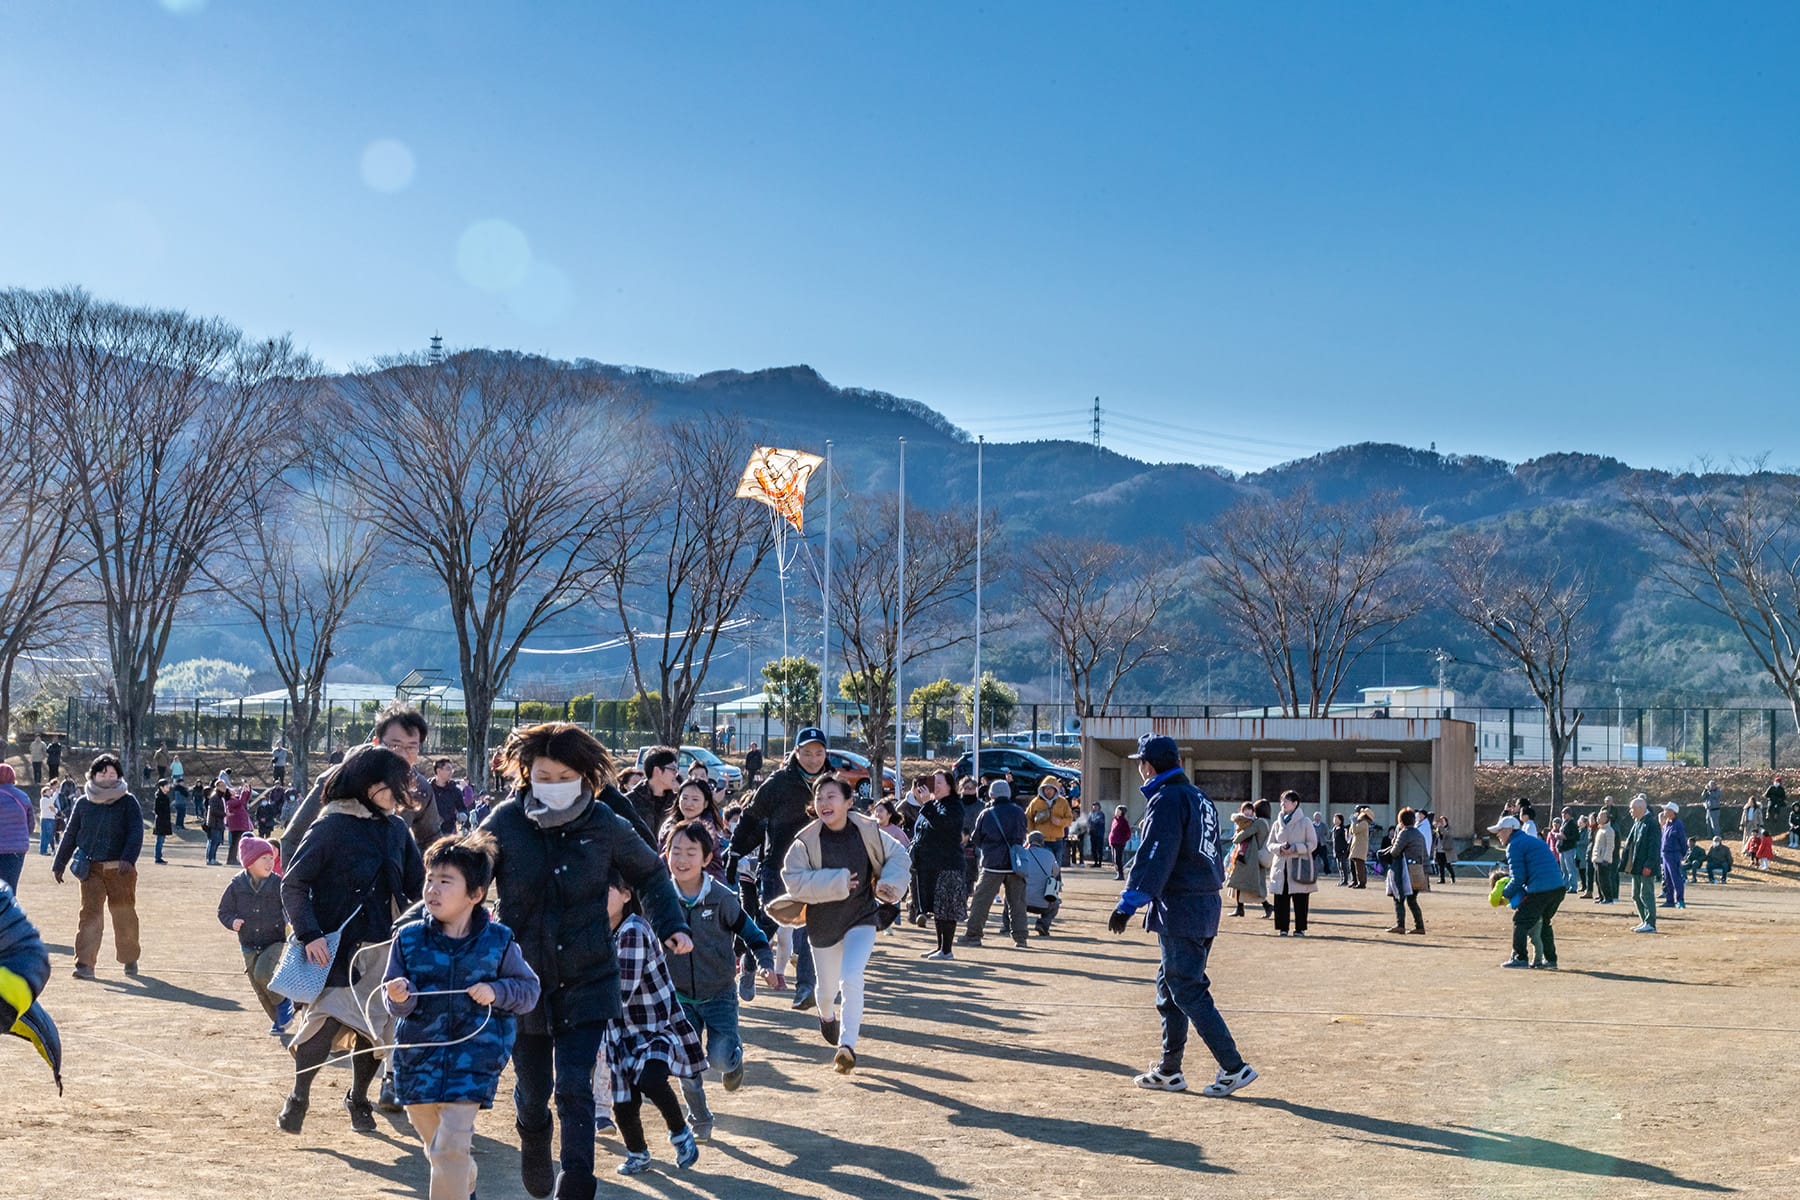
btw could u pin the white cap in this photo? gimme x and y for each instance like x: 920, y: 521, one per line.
x: 1673, y: 807
x: 1505, y: 823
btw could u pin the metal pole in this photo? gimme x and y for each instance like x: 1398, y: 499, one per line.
x: 825, y: 608
x: 899, y: 638
x: 1706, y: 737
x: 975, y: 724
x: 1640, y: 737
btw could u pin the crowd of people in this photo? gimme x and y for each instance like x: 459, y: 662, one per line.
x: 599, y: 927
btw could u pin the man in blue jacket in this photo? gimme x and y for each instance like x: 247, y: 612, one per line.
x: 1536, y: 878
x: 1177, y: 875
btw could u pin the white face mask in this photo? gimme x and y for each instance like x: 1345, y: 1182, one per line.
x: 557, y: 796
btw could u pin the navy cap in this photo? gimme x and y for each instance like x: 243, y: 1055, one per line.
x: 1157, y: 745
x: 810, y: 734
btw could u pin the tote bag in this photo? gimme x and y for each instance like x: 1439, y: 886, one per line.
x: 298, y: 977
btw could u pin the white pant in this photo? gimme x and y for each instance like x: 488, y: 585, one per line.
x: 783, y: 948
x: 840, y: 968
x: 448, y: 1131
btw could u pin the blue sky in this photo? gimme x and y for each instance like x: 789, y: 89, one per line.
x: 1505, y: 228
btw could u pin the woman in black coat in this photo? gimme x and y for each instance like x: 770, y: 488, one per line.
x: 356, y: 867
x: 941, y: 885
x: 560, y: 836
x: 162, y: 822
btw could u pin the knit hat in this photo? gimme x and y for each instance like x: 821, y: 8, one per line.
x: 999, y: 790
x: 8, y: 776
x: 253, y: 848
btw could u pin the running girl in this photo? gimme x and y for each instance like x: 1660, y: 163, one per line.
x: 836, y: 872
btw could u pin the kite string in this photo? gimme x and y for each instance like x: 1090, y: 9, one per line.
x: 370, y: 1023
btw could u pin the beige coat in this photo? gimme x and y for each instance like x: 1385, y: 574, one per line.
x: 1289, y: 842
x: 1359, y: 837
x: 809, y: 883
x: 1603, y: 846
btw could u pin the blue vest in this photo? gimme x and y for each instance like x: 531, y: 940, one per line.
x: 469, y: 1071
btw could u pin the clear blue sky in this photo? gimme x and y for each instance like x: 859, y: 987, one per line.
x: 1505, y: 228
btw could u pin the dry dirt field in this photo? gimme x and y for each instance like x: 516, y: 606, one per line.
x: 1402, y: 1067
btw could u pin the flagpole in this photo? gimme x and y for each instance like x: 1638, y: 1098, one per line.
x: 975, y: 726
x: 899, y: 640
x: 825, y: 606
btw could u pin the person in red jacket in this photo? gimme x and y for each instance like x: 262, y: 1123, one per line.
x: 237, y: 820
x: 1118, y: 838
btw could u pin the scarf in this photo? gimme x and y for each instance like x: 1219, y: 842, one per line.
x: 545, y: 817
x: 105, y: 793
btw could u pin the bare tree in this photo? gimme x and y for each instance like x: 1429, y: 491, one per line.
x: 497, y: 473
x: 1311, y: 587
x: 1535, y: 614
x: 1101, y: 603
x: 165, y: 425
x: 38, y: 558
x: 684, y: 556
x: 296, y: 563
x: 865, y: 604
x: 1733, y: 547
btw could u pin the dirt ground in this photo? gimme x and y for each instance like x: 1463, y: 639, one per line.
x: 1391, y: 1066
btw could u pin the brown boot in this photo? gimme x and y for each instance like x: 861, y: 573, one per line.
x: 1419, y: 929
x: 1396, y: 929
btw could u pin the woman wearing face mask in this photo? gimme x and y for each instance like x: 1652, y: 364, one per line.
x: 559, y: 840
x: 1294, y: 876
x: 356, y: 867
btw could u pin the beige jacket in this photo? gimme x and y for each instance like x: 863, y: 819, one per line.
x: 809, y: 883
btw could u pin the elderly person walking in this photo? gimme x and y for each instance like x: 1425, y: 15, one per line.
x: 1642, y: 860
x: 1535, y: 880
x: 1294, y: 877
x: 1403, y: 883
x: 1249, y: 856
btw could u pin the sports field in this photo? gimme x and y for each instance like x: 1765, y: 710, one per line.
x: 1391, y: 1066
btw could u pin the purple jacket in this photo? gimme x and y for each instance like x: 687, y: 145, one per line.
x: 18, y: 818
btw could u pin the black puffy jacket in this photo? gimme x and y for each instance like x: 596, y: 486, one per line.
x: 552, y: 885
x: 777, y: 812
x: 938, y: 837
x: 351, y: 866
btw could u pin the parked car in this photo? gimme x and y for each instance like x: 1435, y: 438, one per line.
x: 726, y: 778
x: 853, y: 769
x: 1028, y: 769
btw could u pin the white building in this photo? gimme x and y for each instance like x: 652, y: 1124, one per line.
x: 1501, y: 735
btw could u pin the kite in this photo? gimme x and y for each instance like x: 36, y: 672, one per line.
x: 778, y: 478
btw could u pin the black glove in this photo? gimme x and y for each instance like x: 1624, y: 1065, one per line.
x: 1117, y: 922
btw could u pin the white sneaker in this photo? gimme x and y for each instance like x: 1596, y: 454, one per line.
x: 1154, y: 1080
x: 1226, y: 1084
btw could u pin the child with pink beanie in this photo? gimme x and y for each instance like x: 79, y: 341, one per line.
x: 251, y: 908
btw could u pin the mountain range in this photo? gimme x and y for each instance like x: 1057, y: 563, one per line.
x: 1656, y: 649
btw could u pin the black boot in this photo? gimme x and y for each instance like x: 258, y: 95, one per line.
x: 293, y: 1115
x: 536, y: 1170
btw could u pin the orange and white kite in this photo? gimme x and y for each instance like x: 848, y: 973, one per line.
x: 778, y: 478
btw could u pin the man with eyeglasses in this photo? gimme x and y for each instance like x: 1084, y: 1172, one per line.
x: 654, y: 798
x: 400, y: 728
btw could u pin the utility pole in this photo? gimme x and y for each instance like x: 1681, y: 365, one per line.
x: 1096, y: 427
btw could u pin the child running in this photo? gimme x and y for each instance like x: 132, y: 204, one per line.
x: 838, y: 869
x: 251, y: 908
x: 705, y: 977
x: 652, y: 1042
x: 455, y: 980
